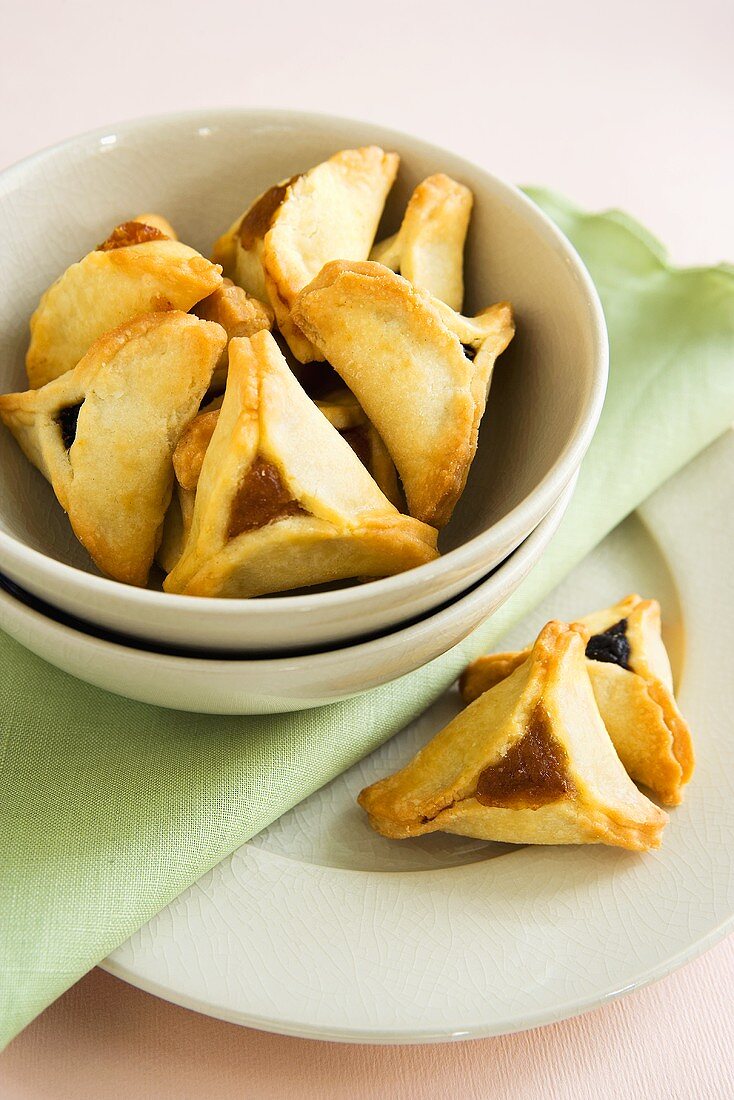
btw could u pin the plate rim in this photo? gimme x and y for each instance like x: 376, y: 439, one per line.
x: 666, y: 521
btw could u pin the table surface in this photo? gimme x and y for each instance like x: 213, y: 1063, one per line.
x: 625, y: 105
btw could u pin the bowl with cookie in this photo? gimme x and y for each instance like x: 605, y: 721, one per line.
x: 329, y: 381
x: 217, y: 682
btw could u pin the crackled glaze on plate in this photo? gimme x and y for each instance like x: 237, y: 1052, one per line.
x: 320, y: 928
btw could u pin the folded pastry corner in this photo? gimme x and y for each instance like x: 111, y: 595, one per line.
x: 632, y: 681
x: 282, y: 500
x: 419, y: 370
x: 428, y: 249
x: 528, y: 762
x: 290, y: 231
x: 340, y: 408
x: 238, y: 313
x: 104, y: 433
x: 138, y: 269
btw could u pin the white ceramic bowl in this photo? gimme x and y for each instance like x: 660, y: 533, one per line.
x: 201, y: 169
x: 267, y: 685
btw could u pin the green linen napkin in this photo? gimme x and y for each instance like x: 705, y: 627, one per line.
x: 109, y: 809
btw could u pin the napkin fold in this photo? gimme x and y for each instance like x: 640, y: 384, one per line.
x: 109, y: 808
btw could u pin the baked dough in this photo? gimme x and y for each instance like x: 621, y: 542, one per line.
x: 340, y: 408
x: 136, y: 270
x: 400, y: 352
x: 239, y: 314
x: 630, y: 673
x: 529, y: 762
x: 428, y: 249
x: 345, y: 413
x: 287, y: 235
x: 158, y: 222
x: 104, y: 433
x: 282, y: 501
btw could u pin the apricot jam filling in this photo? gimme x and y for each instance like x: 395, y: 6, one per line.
x: 122, y: 236
x: 256, y: 221
x: 358, y: 440
x: 261, y: 498
x: 531, y: 774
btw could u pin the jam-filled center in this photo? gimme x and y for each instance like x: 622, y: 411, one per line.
x: 256, y: 221
x: 530, y: 774
x: 67, y: 421
x: 122, y: 236
x: 611, y: 646
x: 261, y: 498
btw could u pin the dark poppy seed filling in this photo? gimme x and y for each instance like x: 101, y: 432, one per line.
x: 469, y: 351
x: 66, y: 421
x: 611, y: 646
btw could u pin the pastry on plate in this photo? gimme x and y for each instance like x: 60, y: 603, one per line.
x: 528, y: 762
x: 630, y: 673
x: 428, y: 249
x: 420, y: 371
x: 104, y: 433
x: 287, y: 235
x: 136, y: 270
x: 238, y: 313
x: 282, y: 501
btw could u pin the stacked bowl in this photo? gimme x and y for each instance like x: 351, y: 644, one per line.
x: 292, y: 651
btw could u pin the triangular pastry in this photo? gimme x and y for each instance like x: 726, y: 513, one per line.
x: 630, y: 674
x: 428, y: 249
x: 420, y: 371
x: 287, y: 235
x: 340, y: 408
x: 239, y: 314
x: 104, y: 433
x: 282, y: 501
x: 529, y: 762
x: 136, y: 270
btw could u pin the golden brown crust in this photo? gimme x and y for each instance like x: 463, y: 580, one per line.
x: 286, y: 236
x: 137, y: 388
x: 637, y: 704
x: 483, y: 673
x: 344, y: 526
x: 235, y: 310
x: 400, y: 352
x: 188, y: 458
x: 428, y: 249
x: 343, y: 413
x: 582, y: 796
x: 108, y: 289
x: 256, y: 221
x: 239, y: 314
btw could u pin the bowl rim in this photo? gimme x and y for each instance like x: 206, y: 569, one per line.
x: 509, y: 529
x: 509, y: 573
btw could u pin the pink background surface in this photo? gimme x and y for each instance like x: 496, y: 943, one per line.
x: 627, y: 105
